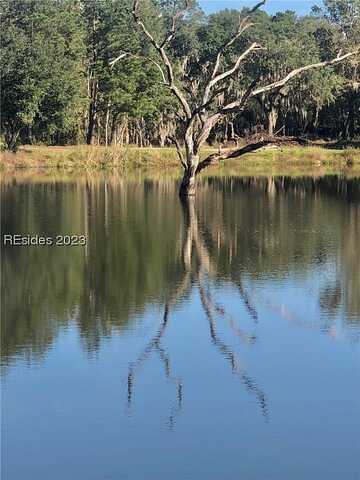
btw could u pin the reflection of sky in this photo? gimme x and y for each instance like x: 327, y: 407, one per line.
x: 308, y: 378
x: 301, y: 7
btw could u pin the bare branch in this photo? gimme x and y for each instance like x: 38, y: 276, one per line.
x: 229, y: 72
x: 257, y: 6
x: 175, y: 17
x: 136, y: 16
x: 235, y: 106
x: 298, y: 71
x: 244, y: 24
x: 112, y: 63
x: 165, y: 59
x: 140, y: 57
x: 175, y: 141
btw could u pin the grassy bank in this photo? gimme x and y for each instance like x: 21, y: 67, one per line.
x: 286, y: 160
x: 86, y: 157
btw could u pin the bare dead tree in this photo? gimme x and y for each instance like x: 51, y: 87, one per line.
x: 201, y: 112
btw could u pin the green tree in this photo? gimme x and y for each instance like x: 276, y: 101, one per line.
x: 125, y: 96
x: 42, y: 46
x: 343, y: 30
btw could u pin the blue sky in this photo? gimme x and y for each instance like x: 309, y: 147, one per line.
x: 272, y: 6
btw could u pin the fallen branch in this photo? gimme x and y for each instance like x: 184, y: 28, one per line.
x: 251, y: 147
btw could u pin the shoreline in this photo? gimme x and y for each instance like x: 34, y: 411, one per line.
x: 80, y: 159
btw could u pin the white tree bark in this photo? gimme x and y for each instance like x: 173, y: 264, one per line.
x: 199, y: 120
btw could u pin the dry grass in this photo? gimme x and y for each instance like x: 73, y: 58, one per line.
x: 269, y: 161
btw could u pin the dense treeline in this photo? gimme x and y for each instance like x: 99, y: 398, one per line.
x: 59, y: 87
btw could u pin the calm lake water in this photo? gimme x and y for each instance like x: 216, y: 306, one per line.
x: 215, y: 340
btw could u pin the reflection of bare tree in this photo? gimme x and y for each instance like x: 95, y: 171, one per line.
x: 203, y: 273
x: 247, y: 301
x: 228, y: 353
x: 199, y: 268
x: 154, y: 345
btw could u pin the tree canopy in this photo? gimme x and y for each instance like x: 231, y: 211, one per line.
x: 60, y: 84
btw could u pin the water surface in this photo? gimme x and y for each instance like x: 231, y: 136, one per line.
x: 214, y: 339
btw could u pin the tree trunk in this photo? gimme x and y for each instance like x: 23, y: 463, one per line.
x: 113, y: 139
x: 107, y: 120
x: 351, y: 120
x: 188, y: 183
x: 272, y: 119
x: 11, y: 137
x: 162, y: 131
x: 92, y: 114
x: 30, y: 136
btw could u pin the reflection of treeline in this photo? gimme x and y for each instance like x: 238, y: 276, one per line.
x: 40, y: 285
x: 129, y: 260
x: 274, y: 226
x: 336, y: 186
x: 136, y: 231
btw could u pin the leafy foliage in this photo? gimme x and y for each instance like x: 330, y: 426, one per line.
x: 59, y: 85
